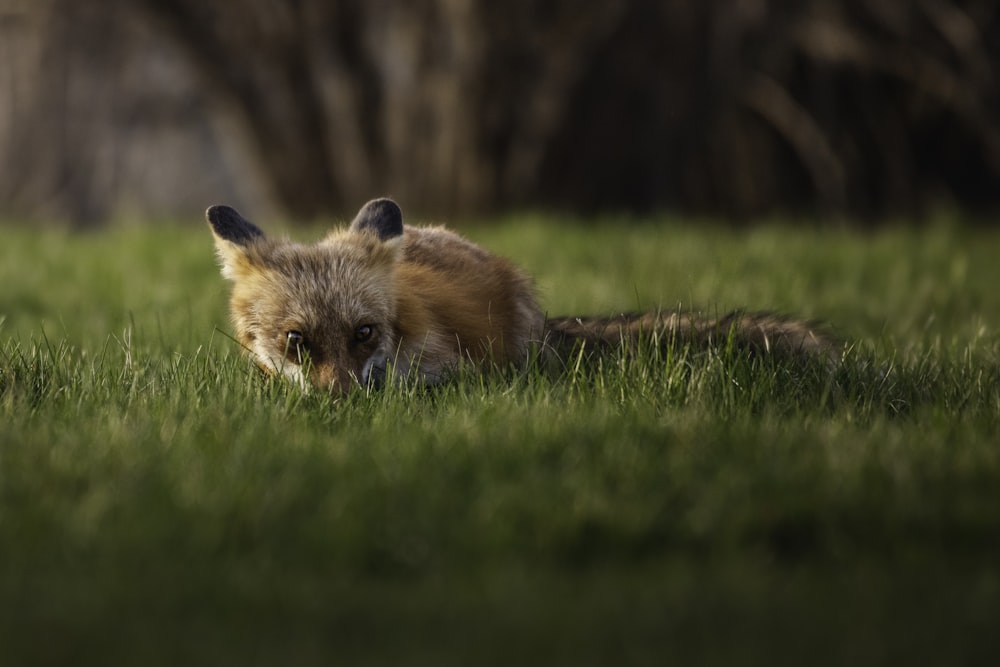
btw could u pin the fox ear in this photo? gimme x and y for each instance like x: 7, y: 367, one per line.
x: 229, y: 225
x: 233, y: 233
x: 380, y: 216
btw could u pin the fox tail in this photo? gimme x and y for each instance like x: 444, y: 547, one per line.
x: 761, y: 333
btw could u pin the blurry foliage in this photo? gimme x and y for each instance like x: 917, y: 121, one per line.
x: 733, y: 107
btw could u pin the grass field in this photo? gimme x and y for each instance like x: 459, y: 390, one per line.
x: 160, y: 503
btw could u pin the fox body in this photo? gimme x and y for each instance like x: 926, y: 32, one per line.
x: 374, y: 298
x: 380, y: 298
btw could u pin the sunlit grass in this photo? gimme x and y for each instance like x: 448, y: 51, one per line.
x: 161, y: 502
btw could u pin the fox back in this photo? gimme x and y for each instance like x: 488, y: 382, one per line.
x: 374, y: 299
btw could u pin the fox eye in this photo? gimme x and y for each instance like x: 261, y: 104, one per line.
x: 295, y: 346
x: 364, y: 332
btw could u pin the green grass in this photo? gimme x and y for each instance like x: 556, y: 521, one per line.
x: 160, y: 503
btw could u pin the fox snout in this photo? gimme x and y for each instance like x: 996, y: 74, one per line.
x: 340, y: 381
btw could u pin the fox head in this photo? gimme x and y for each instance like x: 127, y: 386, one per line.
x: 320, y: 314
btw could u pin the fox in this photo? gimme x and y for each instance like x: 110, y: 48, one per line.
x: 379, y: 300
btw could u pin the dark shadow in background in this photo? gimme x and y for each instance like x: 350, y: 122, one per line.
x: 740, y: 108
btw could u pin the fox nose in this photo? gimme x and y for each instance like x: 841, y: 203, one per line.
x: 373, y: 373
x: 374, y: 377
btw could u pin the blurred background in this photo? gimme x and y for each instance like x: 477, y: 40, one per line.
x: 741, y: 109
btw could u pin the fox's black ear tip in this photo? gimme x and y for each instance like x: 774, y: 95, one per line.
x: 228, y: 224
x: 384, y: 205
x: 382, y: 216
x: 218, y: 212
